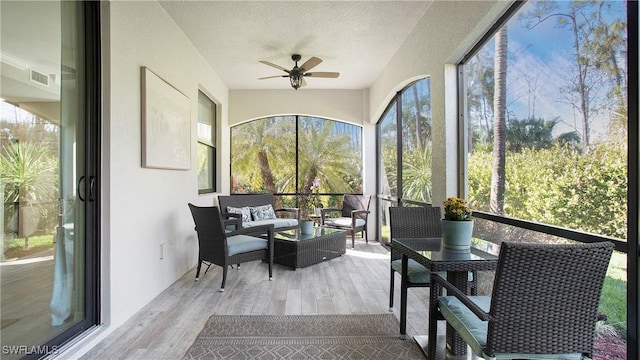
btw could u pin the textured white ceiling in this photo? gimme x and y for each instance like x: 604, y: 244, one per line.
x: 29, y: 42
x: 354, y: 38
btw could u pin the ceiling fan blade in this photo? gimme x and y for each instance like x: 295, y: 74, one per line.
x: 323, y: 74
x: 271, y: 77
x: 311, y: 63
x: 274, y: 65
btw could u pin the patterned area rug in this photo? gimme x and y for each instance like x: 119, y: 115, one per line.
x: 302, y: 337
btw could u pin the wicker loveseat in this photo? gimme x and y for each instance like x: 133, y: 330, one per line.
x: 253, y: 209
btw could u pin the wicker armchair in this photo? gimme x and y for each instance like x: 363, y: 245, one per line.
x: 353, y: 216
x: 544, y: 303
x: 222, y: 247
x: 411, y: 223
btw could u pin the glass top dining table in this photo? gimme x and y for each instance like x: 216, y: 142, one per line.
x: 430, y: 253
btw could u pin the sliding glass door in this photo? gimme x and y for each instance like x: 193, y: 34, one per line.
x: 48, y: 161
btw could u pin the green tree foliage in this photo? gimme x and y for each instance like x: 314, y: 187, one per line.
x: 28, y: 170
x: 416, y: 115
x: 416, y: 142
x: 389, y: 152
x: 260, y: 142
x: 529, y: 133
x: 480, y: 84
x: 537, y: 133
x: 416, y: 172
x: 559, y: 186
x: 415, y: 130
x: 323, y: 152
x: 329, y: 156
x: 389, y: 176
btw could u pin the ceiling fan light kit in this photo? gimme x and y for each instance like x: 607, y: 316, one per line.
x: 296, y: 81
x: 298, y: 73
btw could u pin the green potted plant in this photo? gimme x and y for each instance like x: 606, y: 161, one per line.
x: 457, y: 225
x: 307, y: 202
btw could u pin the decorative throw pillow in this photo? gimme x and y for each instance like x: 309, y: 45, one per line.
x: 244, y: 211
x: 264, y: 212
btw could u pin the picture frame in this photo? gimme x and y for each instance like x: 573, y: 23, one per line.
x: 166, y: 124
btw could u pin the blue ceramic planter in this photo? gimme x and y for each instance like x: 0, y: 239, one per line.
x: 456, y: 235
x: 306, y: 227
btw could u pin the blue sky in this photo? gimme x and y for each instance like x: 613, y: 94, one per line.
x: 540, y: 64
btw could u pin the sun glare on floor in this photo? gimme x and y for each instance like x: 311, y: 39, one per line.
x: 367, y: 255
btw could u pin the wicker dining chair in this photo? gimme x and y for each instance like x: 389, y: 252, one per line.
x: 544, y: 303
x: 413, y: 223
x: 219, y: 246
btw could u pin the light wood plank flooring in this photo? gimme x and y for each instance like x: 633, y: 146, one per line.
x: 355, y: 283
x: 25, y: 292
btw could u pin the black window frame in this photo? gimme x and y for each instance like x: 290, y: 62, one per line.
x: 398, y: 199
x: 297, y: 119
x: 209, y: 146
x: 631, y: 246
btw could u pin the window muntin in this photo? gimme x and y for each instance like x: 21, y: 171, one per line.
x: 206, y: 144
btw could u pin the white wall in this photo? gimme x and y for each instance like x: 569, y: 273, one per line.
x: 148, y: 207
x: 344, y: 105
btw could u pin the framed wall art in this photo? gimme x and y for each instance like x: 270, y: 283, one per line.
x: 166, y: 124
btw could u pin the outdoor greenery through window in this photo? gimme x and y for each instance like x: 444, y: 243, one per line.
x: 404, y: 133
x: 206, y: 144
x: 283, y: 155
x: 29, y: 164
x: 547, y: 124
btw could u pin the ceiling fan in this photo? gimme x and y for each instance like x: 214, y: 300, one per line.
x: 298, y: 73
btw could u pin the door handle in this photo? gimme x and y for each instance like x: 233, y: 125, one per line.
x: 92, y: 188
x: 80, y: 183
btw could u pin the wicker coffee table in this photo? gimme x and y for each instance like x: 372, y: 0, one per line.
x: 296, y: 250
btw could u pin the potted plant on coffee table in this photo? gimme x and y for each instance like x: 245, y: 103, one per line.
x: 307, y: 202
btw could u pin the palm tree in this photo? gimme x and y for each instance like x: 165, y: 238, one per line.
x: 327, y: 155
x: 28, y: 172
x: 260, y: 141
x: 416, y: 174
x: 496, y: 204
x: 416, y: 115
x: 529, y: 133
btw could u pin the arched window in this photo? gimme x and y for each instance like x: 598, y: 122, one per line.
x: 283, y: 155
x: 404, y: 150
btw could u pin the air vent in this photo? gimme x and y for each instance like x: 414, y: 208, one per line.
x: 39, y: 77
